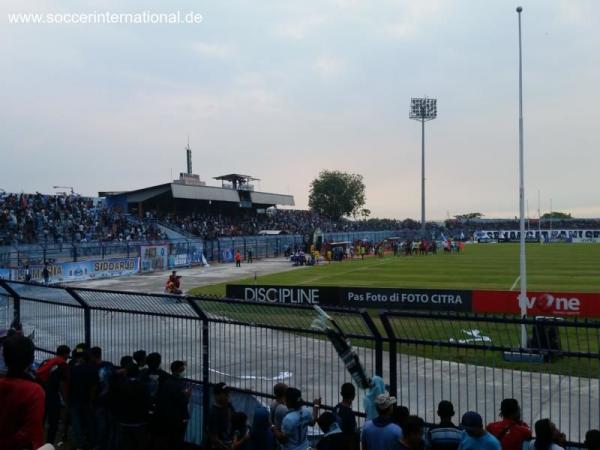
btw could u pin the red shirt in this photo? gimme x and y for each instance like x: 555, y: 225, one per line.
x: 21, y: 414
x: 510, y: 433
x: 43, y: 372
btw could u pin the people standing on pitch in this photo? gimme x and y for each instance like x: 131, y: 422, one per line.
x: 445, y: 435
x: 53, y: 376
x: 238, y: 259
x: 475, y: 437
x: 381, y: 433
x: 46, y: 274
x: 547, y: 436
x: 219, y: 419
x: 294, y: 428
x: 21, y: 399
x: 511, y: 431
x: 345, y: 415
x: 412, y: 438
x: 249, y: 257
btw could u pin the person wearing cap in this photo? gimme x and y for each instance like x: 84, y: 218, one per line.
x: 219, y: 419
x: 381, y: 433
x: 475, y: 437
x: 511, y: 431
x: 445, y: 435
x: 412, y: 438
x: 294, y: 428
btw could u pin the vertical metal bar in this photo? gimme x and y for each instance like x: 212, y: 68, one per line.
x: 16, y: 301
x: 392, y: 352
x: 378, y: 341
x: 87, y: 316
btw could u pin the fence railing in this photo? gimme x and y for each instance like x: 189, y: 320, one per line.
x: 473, y: 360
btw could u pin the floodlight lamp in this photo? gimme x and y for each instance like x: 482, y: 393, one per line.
x: 423, y: 108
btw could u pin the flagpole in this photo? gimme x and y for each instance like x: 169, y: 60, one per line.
x: 522, y: 257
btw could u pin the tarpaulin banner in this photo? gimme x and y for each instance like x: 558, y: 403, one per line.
x: 359, y: 297
x: 549, y: 303
x: 4, y: 274
x: 154, y: 257
x: 577, y: 236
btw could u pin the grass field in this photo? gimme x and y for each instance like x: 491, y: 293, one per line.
x: 559, y: 267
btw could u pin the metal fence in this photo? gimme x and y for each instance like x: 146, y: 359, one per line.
x: 473, y: 360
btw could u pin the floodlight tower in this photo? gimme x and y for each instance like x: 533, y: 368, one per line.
x: 423, y: 109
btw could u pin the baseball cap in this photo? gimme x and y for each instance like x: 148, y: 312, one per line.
x: 384, y: 401
x: 471, y: 421
x: 221, y: 388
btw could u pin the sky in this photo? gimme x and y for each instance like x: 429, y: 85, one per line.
x: 283, y: 89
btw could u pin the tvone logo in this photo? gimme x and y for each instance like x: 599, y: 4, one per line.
x: 549, y: 303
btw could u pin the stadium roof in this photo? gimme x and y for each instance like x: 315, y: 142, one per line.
x: 201, y: 193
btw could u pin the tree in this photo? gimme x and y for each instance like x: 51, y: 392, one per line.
x: 336, y: 194
x: 365, y: 213
x: 557, y: 215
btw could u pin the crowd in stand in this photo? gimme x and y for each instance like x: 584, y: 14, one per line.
x: 137, y: 405
x: 38, y: 218
x: 58, y: 219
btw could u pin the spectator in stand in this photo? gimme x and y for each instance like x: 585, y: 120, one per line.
x: 261, y: 436
x: 381, y: 433
x: 511, y: 431
x: 346, y: 417
x: 21, y: 399
x: 294, y: 428
x: 547, y: 436
x: 102, y: 417
x: 592, y: 440
x: 219, y: 419
x: 152, y: 377
x: 475, y: 437
x: 333, y: 437
x: 83, y: 381
x: 400, y: 415
x: 412, y: 438
x: 129, y: 404
x: 172, y: 408
x: 53, y: 376
x: 445, y: 435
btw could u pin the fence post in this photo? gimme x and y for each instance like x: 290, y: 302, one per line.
x: 378, y: 341
x: 16, y: 301
x: 87, y: 316
x: 205, y: 364
x: 392, y: 352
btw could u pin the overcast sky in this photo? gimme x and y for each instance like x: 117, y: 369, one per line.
x: 283, y: 89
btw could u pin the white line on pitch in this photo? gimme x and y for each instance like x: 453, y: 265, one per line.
x: 515, y: 283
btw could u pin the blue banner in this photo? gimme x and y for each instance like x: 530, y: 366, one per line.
x: 4, y: 274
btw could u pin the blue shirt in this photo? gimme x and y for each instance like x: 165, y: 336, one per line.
x: 444, y: 437
x: 381, y: 434
x: 485, y: 442
x: 295, y: 427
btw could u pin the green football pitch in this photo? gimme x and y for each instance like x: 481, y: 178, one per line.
x: 558, y: 267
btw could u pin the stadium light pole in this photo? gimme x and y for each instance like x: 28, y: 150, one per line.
x: 423, y: 110
x: 522, y: 258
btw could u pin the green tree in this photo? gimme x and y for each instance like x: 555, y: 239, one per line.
x: 336, y: 194
x: 469, y: 216
x: 557, y: 215
x: 365, y: 213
